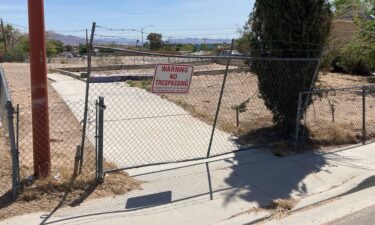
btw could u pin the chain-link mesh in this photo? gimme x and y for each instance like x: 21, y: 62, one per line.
x: 339, y: 117
x: 142, y: 128
x: 9, y: 162
x: 65, y: 135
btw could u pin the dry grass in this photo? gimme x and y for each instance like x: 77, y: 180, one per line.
x: 281, y: 207
x: 334, y: 133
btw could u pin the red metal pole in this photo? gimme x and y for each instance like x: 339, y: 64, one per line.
x: 39, y: 89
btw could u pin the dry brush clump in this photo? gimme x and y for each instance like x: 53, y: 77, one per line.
x: 329, y: 133
x: 281, y: 207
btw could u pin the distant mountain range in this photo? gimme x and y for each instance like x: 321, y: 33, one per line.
x: 66, y: 39
x: 74, y: 40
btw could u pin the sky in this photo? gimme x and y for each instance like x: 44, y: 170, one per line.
x: 172, y: 18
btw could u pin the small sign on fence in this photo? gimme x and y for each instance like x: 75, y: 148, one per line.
x: 172, y: 79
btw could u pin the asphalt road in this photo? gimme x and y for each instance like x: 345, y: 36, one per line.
x: 363, y: 217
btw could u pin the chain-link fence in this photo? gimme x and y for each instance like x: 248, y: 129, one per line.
x: 338, y: 117
x: 223, y: 112
x: 66, y: 119
x: 8, y: 143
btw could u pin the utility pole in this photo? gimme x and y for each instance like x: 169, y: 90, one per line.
x: 142, y: 28
x: 142, y: 36
x: 87, y: 42
x: 5, y: 38
x: 39, y: 90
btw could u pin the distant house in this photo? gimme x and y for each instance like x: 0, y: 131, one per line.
x: 343, y: 30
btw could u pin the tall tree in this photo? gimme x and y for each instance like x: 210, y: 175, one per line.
x: 286, y: 29
x: 352, y: 9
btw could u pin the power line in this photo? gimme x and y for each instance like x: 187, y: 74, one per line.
x: 16, y: 25
x: 182, y: 29
x: 115, y: 29
x: 171, y: 35
x: 68, y: 31
x: 292, y: 42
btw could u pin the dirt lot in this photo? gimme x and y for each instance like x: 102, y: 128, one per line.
x: 65, y: 136
x: 336, y: 118
x: 210, y: 67
x: 255, y: 121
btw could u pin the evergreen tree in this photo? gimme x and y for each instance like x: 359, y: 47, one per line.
x: 286, y: 29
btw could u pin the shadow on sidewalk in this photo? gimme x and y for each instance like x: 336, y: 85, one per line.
x: 277, y: 179
x: 254, y: 176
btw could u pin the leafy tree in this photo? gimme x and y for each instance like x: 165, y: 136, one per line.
x: 22, y: 45
x: 11, y: 35
x: 58, y: 45
x: 350, y: 9
x: 68, y: 48
x: 204, y: 47
x: 242, y: 43
x: 155, y: 40
x: 82, y: 48
x: 357, y: 54
x: 51, y: 48
x: 286, y: 29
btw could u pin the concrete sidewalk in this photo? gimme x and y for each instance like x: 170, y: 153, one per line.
x: 141, y: 127
x: 221, y: 191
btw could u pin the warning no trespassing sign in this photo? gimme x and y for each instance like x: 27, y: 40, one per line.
x: 172, y: 78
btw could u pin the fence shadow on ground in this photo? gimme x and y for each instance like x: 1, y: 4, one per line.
x: 277, y: 178
x: 255, y: 176
x: 261, y: 136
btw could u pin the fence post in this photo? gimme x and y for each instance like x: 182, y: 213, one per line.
x: 17, y: 143
x: 363, y: 115
x: 220, y: 99
x: 14, y: 150
x: 87, y: 91
x: 298, y: 121
x: 100, y: 158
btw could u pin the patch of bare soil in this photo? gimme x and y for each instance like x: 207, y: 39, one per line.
x: 336, y: 118
x: 60, y: 189
x: 333, y: 119
x: 240, y: 92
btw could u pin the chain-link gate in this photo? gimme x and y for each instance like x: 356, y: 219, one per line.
x: 222, y: 113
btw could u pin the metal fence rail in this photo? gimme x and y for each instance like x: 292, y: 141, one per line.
x: 338, y: 117
x: 7, y: 122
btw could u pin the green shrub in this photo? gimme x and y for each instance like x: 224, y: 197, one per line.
x: 358, y: 57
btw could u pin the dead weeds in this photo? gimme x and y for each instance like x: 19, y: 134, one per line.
x: 331, y: 134
x: 281, y: 207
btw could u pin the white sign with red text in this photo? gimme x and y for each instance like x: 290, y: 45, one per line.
x: 172, y: 79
